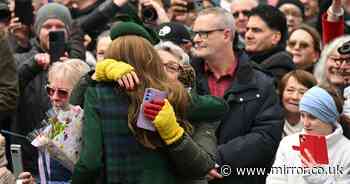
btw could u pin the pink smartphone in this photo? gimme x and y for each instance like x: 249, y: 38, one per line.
x: 150, y: 94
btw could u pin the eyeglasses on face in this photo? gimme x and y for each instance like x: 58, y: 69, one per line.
x: 172, y: 67
x: 340, y: 60
x: 302, y: 44
x: 61, y: 93
x: 205, y: 33
x: 245, y: 13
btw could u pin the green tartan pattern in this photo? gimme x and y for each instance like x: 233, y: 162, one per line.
x: 127, y: 161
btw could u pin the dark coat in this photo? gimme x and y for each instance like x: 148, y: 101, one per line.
x: 276, y: 61
x: 34, y: 101
x: 250, y: 132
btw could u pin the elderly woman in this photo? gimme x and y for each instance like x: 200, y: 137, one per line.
x: 292, y: 88
x: 332, y: 68
x: 62, y: 77
x: 320, y: 109
x: 304, y: 43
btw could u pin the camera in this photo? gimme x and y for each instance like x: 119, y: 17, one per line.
x: 345, y: 48
x: 149, y: 14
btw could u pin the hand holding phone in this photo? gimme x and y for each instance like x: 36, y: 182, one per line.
x: 316, y: 145
x: 16, y: 156
x: 150, y: 94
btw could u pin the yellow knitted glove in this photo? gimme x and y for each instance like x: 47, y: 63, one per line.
x: 110, y: 69
x: 166, y: 125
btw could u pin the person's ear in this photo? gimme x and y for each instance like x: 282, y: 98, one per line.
x: 276, y: 37
x: 228, y: 34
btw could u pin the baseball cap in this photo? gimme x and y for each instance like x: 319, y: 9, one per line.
x: 174, y: 32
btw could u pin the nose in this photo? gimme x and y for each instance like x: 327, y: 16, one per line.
x: 241, y: 16
x: 248, y: 35
x: 295, y: 95
x: 55, y: 95
x: 289, y: 18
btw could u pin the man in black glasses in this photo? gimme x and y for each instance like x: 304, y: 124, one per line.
x: 240, y: 10
x: 249, y: 133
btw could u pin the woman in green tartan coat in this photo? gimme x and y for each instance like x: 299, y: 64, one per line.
x: 116, y: 149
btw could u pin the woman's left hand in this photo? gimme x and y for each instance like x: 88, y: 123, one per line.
x: 309, y: 161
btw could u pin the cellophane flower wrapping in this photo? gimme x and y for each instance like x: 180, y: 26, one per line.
x: 61, y: 138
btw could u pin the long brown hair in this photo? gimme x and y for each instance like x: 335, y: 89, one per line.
x: 139, y: 53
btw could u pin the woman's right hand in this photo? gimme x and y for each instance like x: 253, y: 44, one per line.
x: 26, y: 178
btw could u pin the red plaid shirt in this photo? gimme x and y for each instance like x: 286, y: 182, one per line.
x: 218, y: 84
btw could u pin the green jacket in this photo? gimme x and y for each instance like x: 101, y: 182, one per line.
x: 196, y: 157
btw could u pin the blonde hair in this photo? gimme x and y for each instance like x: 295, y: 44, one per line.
x: 71, y: 70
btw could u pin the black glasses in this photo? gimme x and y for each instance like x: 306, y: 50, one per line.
x: 302, y: 44
x: 205, y: 33
x: 61, y: 93
x: 246, y: 13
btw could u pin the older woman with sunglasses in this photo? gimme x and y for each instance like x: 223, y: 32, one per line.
x: 304, y: 44
x: 62, y: 77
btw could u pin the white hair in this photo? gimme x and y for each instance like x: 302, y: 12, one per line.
x: 174, y: 50
x: 320, y: 68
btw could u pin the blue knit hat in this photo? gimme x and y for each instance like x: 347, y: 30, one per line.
x: 320, y: 104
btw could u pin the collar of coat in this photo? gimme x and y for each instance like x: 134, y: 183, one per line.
x: 244, y: 78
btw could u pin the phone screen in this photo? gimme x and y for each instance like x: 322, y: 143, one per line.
x: 316, y: 146
x: 56, y: 45
x: 24, y: 11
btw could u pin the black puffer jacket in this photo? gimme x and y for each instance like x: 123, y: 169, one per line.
x: 249, y: 135
x: 276, y: 61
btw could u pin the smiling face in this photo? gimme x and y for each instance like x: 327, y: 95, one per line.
x: 171, y: 64
x: 333, y: 69
x: 292, y: 94
x: 314, y: 126
x: 209, y: 36
x: 259, y: 37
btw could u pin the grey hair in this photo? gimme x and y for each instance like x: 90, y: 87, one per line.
x: 103, y: 35
x: 224, y: 17
x: 174, y: 50
x: 320, y: 68
x: 255, y: 2
x: 71, y: 70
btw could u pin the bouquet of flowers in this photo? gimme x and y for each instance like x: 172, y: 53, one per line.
x: 61, y: 135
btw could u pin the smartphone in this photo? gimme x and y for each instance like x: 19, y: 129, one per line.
x: 317, y: 147
x: 150, y: 94
x: 16, y: 156
x: 24, y: 11
x: 56, y: 45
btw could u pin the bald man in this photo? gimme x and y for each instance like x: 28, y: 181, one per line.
x: 240, y: 10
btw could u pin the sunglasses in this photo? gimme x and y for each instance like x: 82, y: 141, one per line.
x: 61, y: 93
x: 246, y: 13
x: 302, y: 44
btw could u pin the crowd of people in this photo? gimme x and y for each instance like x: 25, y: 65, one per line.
x: 174, y: 91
